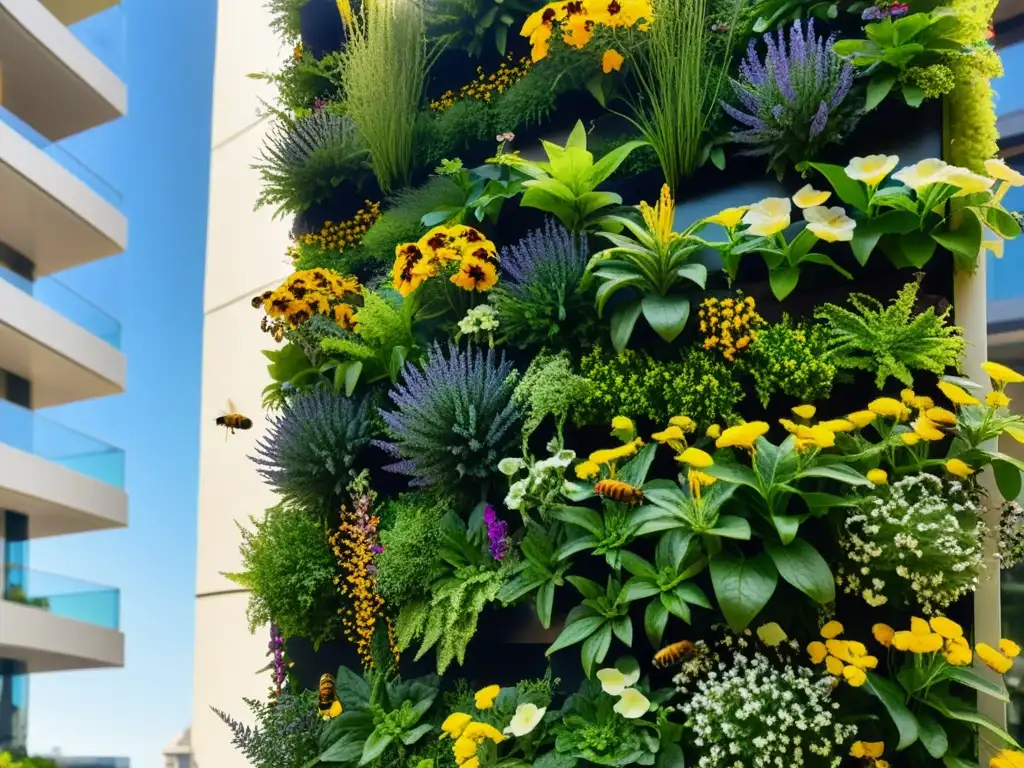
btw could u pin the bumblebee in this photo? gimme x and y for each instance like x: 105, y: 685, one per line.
x: 616, y: 490
x: 233, y: 420
x: 328, y: 703
x: 674, y: 654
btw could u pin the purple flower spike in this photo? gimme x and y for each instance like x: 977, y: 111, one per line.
x: 497, y: 533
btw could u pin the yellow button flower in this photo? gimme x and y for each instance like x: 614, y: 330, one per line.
x: 455, y: 724
x: 1000, y: 171
x: 919, y: 627
x: 901, y: 640
x: 878, y: 477
x: 479, y: 732
x: 464, y: 749
x: 921, y: 174
x: 809, y: 197
x: 743, y: 435
x: 997, y: 399
x: 831, y: 630
x: 959, y: 468
x: 669, y: 433
x: 947, y: 628
x: 958, y: 652
x: 728, y: 218
x: 817, y: 652
x: 957, y: 395
x: 485, y: 697
x: 871, y: 169
x: 804, y: 411
x: 1009, y: 648
x: 861, y: 419
x: 768, y: 217
x: 695, y: 457
x: 883, y: 633
x: 993, y: 659
x: 474, y: 762
x: 941, y: 416
x: 714, y: 432
x: 868, y: 749
x: 929, y: 643
x: 830, y: 224
x: 834, y: 666
x: 1001, y: 374
x: 910, y: 438
x: 926, y: 429
x: 890, y: 408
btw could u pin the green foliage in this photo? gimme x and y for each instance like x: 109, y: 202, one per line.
x: 289, y: 568
x: 790, y: 359
x: 566, y: 185
x: 634, y: 383
x: 303, y: 160
x: 640, y: 160
x: 384, y: 69
x: 353, y: 260
x: 410, y: 546
x: 549, y: 388
x: 284, y: 19
x: 402, y: 221
x: 304, y: 79
x: 680, y: 73
x: 891, y: 340
x: 287, y: 731
x: 472, y: 26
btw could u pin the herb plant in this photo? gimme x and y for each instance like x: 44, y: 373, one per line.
x: 287, y: 730
x: 790, y: 358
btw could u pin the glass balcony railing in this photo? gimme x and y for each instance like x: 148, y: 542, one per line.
x: 105, y: 36
x: 63, y: 157
x: 67, y: 302
x: 63, y: 596
x: 28, y: 431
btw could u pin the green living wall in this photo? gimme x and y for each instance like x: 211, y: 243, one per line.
x: 617, y: 411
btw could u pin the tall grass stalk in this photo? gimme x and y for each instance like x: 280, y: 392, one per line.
x: 679, y: 75
x: 384, y: 71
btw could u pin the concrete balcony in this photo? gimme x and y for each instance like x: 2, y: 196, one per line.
x: 49, y: 77
x: 72, y: 11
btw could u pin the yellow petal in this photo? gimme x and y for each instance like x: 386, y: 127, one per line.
x: 878, y: 477
x: 805, y: 411
x: 808, y: 197
x: 1001, y: 374
x: 831, y: 630
x: 959, y: 468
x: 957, y: 395
x: 695, y: 457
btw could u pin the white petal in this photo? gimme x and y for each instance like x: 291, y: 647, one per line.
x: 632, y: 704
x: 613, y: 682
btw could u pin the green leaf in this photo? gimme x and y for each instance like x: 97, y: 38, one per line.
x: 696, y: 273
x: 743, y: 587
x: 610, y: 163
x: 783, y: 281
x: 501, y: 39
x: 576, y: 632
x: 917, y: 248
x: 585, y: 518
x: 637, y: 566
x: 951, y: 706
x: 676, y: 606
x: 733, y: 473
x: 692, y: 594
x: 933, y: 736
x: 596, y: 648
x: 878, y: 88
x: 1001, y: 222
x: 731, y: 527
x: 1008, y: 479
x: 867, y: 233
x: 891, y: 696
x: 623, y: 629
x: 802, y: 565
x: 635, y: 471
x: 787, y: 526
x: 672, y: 549
x: 545, y: 601
x: 655, y: 619
x: 411, y: 737
x: 840, y: 472
x: 667, y: 315
x: 355, y: 368
x: 622, y: 322
x: 851, y: 192
x: 375, y: 745
x: 591, y: 590
x: 970, y: 678
x: 965, y: 239
x: 717, y: 156
x: 913, y: 95
x: 637, y: 589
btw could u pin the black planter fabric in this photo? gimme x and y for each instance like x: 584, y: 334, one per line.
x: 321, y: 27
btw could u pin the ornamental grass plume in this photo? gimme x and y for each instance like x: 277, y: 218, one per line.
x: 794, y: 101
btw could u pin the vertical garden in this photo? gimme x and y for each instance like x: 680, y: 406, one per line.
x: 618, y: 410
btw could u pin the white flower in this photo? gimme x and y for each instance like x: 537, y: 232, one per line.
x: 510, y: 465
x: 560, y: 460
x: 968, y: 181
x: 921, y: 174
x: 808, y: 197
x: 516, y: 494
x: 871, y: 169
x: 632, y: 704
x: 830, y: 224
x: 998, y: 169
x: 768, y: 217
x: 614, y: 682
x: 526, y: 718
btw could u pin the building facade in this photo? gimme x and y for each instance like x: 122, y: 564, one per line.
x: 178, y: 754
x: 56, y: 347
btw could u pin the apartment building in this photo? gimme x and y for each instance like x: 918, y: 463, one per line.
x: 56, y: 347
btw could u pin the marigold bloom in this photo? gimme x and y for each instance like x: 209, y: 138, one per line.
x: 484, y: 698
x: 997, y: 399
x: 869, y: 749
x: 585, y: 470
x: 669, y: 433
x: 480, y: 731
x: 714, y: 432
x: 685, y: 423
x: 855, y: 676
x: 832, y: 629
x: 941, y: 416
x: 817, y: 652
x: 464, y: 749
x: 1008, y: 758
x: 910, y: 438
x: 993, y: 659
x: 611, y: 61
x: 837, y: 425
x: 958, y: 652
x: 957, y: 395
x: 622, y: 423
x: 926, y: 429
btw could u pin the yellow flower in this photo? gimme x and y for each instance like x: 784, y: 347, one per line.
x: 685, y: 423
x: 929, y: 643
x: 728, y: 218
x: 910, y: 438
x: 611, y: 61
x: 714, y: 432
x: 861, y: 419
x: 1009, y: 648
x: 997, y: 247
x: 901, y: 640
x: 958, y: 652
x: 941, y: 416
x: 889, y: 407
x: 771, y: 634
x: 969, y: 182
x: 1001, y: 374
x: 878, y: 477
x: 698, y: 480
x: 997, y: 399
x: 855, y: 676
x: 947, y: 628
x: 871, y: 169
x: 659, y: 218
x: 921, y: 174
x: 475, y: 275
x: 999, y: 170
x: 993, y: 659
x: 1008, y: 758
x: 768, y: 217
x: 831, y: 630
x: 959, y: 468
x: 830, y: 224
x: 804, y: 411
x: 485, y: 697
x: 927, y: 429
x: 809, y: 197
x: 585, y: 470
x: 669, y: 433
x: 834, y: 666
x: 817, y: 652
x: 474, y: 762
x: 837, y: 425
x: 957, y: 395
x: 622, y: 423
x: 868, y: 749
x: 1016, y: 433
x: 464, y: 749
x: 695, y: 457
x: 742, y: 435
x: 919, y: 627
x: 455, y: 724
x: 481, y: 731
x: 883, y: 633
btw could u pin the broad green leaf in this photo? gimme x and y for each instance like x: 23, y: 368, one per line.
x: 655, y: 619
x: 868, y: 232
x: 355, y: 368
x: 595, y: 648
x: 578, y: 136
x: 576, y: 632
x: 878, y: 88
x: 623, y: 629
x: 733, y: 473
x: 676, y: 606
x: 585, y: 518
x: 411, y: 737
x: 1001, y: 222
x: 636, y: 469
x: 743, y: 587
x: 917, y: 248
x: 800, y: 245
x: 1008, y: 479
x: 589, y: 203
x: 891, y: 695
x: 622, y: 323
x: 697, y: 273
x: 970, y: 678
x: 545, y: 601
x: 913, y: 95
x: 783, y: 281
x: 802, y: 565
x: 731, y: 527
x: 667, y: 315
x: 932, y: 735
x: 950, y: 706
x: 787, y: 526
x: 375, y: 745
x: 672, y: 548
x: 586, y: 587
x: 637, y: 566
x: 965, y: 239
x: 692, y: 594
x: 637, y: 589
x: 840, y: 472
x: 851, y: 192
x: 610, y: 163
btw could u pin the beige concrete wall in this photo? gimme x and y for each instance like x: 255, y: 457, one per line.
x: 245, y: 252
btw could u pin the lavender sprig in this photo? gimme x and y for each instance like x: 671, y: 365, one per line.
x: 497, y: 533
x: 551, y: 255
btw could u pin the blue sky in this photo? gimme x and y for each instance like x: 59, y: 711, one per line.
x: 158, y: 157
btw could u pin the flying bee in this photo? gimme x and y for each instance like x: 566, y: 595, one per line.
x: 233, y: 420
x: 328, y: 703
x: 616, y: 490
x: 674, y: 654
x: 257, y: 301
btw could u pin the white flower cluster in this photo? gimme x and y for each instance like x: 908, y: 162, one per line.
x: 749, y: 713
x: 920, y: 532
x: 480, y: 319
x: 544, y: 480
x: 1011, y: 535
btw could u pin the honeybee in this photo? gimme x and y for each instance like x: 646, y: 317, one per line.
x: 328, y: 704
x: 674, y: 654
x: 233, y: 420
x: 619, y: 491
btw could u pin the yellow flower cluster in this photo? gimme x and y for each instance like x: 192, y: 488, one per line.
x: 484, y: 86
x: 942, y: 635
x: 336, y: 236
x: 847, y: 659
x: 576, y: 21
x: 820, y: 435
x: 729, y: 325
x: 468, y: 734
x: 473, y: 257
x: 870, y: 752
x: 607, y: 457
x: 674, y: 435
x: 312, y: 292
